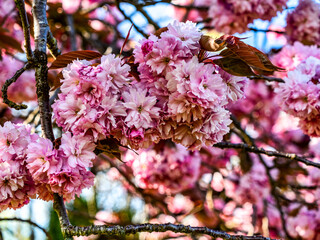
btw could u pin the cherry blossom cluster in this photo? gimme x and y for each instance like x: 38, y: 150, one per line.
x: 305, y: 224
x: 291, y: 56
x: 168, y: 170
x: 299, y: 95
x: 31, y: 167
x: 175, y: 96
x: 233, y: 16
x: 303, y: 24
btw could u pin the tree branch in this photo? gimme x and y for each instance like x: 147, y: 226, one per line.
x: 254, y: 149
x: 52, y: 45
x: 41, y: 33
x: 29, y: 222
x: 132, y: 229
x: 26, y: 28
x: 267, y: 78
x: 9, y: 82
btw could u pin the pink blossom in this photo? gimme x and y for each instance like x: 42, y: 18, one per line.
x: 187, y: 32
x: 14, y: 139
x: 114, y: 72
x: 305, y: 224
x: 171, y: 170
x: 78, y: 150
x: 303, y: 24
x: 235, y: 85
x: 69, y: 182
x: 42, y: 160
x: 16, y: 186
x: 291, y: 56
x: 141, y: 108
x: 166, y: 53
x: 233, y: 16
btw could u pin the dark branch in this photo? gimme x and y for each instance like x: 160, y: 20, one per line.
x: 8, y: 83
x: 72, y: 32
x: 133, y: 229
x: 26, y: 28
x: 29, y: 222
x: 254, y: 149
x: 266, y: 30
x: 41, y: 33
x: 128, y: 18
x: 267, y: 78
x: 52, y: 45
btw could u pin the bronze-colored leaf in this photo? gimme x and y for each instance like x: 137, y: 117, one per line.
x: 234, y: 66
x: 245, y: 161
x: 9, y: 42
x: 254, y: 58
x: 64, y: 59
x: 110, y: 147
x: 160, y: 30
x: 208, y: 43
x: 54, y: 80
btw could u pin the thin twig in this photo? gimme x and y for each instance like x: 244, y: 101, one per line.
x: 72, y: 32
x: 9, y: 82
x: 128, y: 18
x: 140, y: 191
x: 266, y: 30
x: 26, y: 28
x: 29, y: 222
x: 267, y: 78
x: 254, y: 149
x: 52, y: 45
x: 272, y: 182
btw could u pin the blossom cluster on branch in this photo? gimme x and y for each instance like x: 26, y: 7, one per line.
x: 173, y: 118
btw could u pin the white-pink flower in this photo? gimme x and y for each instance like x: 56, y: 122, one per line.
x: 141, y: 108
x: 77, y: 150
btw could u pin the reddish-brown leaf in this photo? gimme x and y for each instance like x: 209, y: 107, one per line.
x: 54, y: 80
x: 209, y: 44
x: 160, y: 30
x: 249, y: 58
x: 7, y: 41
x: 64, y: 59
x: 126, y: 40
x: 234, y: 66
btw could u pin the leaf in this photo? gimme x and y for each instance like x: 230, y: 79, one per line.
x: 160, y: 30
x: 54, y: 81
x: 110, y: 147
x: 251, y: 56
x: 7, y: 41
x: 234, y: 66
x: 126, y: 40
x: 64, y: 59
x: 209, y: 44
x: 245, y: 161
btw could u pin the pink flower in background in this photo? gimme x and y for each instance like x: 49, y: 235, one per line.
x: 291, y: 56
x: 233, y: 16
x: 299, y: 95
x: 169, y: 171
x: 305, y: 224
x: 303, y: 23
